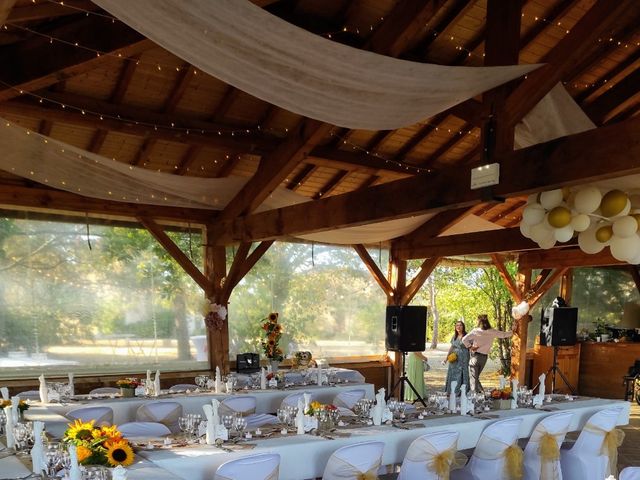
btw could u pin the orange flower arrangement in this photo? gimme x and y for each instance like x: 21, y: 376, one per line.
x: 273, y: 331
x: 504, y: 394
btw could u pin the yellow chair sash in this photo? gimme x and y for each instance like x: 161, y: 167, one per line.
x: 493, y: 449
x: 441, y: 463
x: 549, y: 453
x: 344, y: 469
x: 612, y: 440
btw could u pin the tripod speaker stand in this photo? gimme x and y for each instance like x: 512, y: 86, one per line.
x: 404, y: 379
x: 553, y: 369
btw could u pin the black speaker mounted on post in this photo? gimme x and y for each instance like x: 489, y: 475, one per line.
x: 558, y: 326
x: 406, y: 328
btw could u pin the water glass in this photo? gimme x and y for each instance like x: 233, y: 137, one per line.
x: 183, y: 424
x: 227, y: 421
x: 53, y: 458
x: 240, y: 425
x: 283, y: 416
x: 202, y: 381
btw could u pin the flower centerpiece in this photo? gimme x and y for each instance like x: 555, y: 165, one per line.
x: 128, y: 386
x: 327, y: 415
x: 270, y: 346
x: 99, y: 445
x: 501, y: 398
x: 23, y: 406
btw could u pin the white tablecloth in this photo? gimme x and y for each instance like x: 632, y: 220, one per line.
x: 124, y: 409
x: 305, y: 456
x: 298, y: 376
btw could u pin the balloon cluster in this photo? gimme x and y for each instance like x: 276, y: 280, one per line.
x: 600, y: 218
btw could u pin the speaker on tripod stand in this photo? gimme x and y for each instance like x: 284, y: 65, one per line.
x: 558, y: 326
x: 406, y: 331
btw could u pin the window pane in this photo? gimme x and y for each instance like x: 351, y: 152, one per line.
x: 108, y: 300
x: 328, y: 302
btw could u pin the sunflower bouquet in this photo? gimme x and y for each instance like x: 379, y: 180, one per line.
x: 316, y: 407
x: 273, y: 331
x: 99, y: 445
x: 22, y: 406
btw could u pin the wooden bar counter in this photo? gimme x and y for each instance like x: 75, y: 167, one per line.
x: 603, y: 365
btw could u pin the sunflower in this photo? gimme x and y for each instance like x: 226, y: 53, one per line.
x: 83, y: 453
x: 111, y: 432
x: 80, y: 430
x: 273, y: 317
x: 119, y: 453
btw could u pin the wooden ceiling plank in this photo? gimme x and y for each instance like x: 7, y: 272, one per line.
x: 228, y: 166
x: 567, y: 161
x: 225, y: 103
x: 446, y: 146
x: 508, y: 280
x: 373, y: 268
x: 564, y: 57
x: 420, y: 135
x: 494, y: 218
x: 42, y: 11
x: 417, y: 282
x: 331, y: 184
x: 6, y: 10
x: 456, y: 11
x: 609, y: 75
x: 301, y: 177
x: 184, y: 165
x: 550, y: 19
x: 622, y: 91
x: 395, y: 35
x: 144, y: 153
x: 37, y: 64
x: 185, y: 76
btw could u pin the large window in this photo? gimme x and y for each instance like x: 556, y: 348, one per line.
x: 82, y: 299
x: 328, y: 302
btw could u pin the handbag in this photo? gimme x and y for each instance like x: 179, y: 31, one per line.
x: 247, y: 363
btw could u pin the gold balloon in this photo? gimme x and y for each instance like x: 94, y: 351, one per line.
x: 559, y: 217
x: 604, y: 234
x: 613, y: 203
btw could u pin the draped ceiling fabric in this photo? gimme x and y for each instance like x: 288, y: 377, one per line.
x: 269, y: 58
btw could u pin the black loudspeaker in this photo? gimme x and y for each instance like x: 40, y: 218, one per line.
x: 558, y: 326
x: 247, y: 363
x: 406, y: 328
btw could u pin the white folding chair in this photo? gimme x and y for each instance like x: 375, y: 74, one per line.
x: 183, y: 387
x: 247, y: 407
x: 630, y: 473
x: 263, y: 466
x: 144, y: 430
x: 29, y: 395
x: 166, y: 413
x: 104, y: 391
x: 101, y: 415
x: 418, y: 461
x: 489, y: 455
x: 550, y: 429
x: 346, y: 400
x: 585, y: 460
x: 352, y: 461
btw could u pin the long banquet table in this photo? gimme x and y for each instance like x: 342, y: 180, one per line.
x: 305, y: 456
x: 124, y: 409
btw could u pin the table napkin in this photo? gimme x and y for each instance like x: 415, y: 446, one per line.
x: 15, y: 401
x: 72, y: 388
x: 5, y: 393
x: 300, y: 416
x: 464, y: 404
x: 38, y: 461
x: 514, y: 393
x: 119, y: 473
x: 74, y: 470
x: 10, y: 422
x: 218, y: 379
x: 44, y: 392
x: 319, y: 375
x: 452, y: 396
x: 156, y: 383
x: 263, y: 379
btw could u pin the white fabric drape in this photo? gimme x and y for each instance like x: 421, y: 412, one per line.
x: 261, y: 54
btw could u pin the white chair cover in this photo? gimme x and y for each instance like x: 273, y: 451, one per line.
x: 104, y: 390
x: 264, y: 466
x: 489, y: 456
x: 183, y: 387
x: 291, y: 400
x: 421, y: 460
x: 144, y: 430
x: 247, y: 407
x: 585, y: 460
x: 29, y: 395
x: 360, y: 461
x: 550, y: 429
x: 166, y: 413
x: 349, y: 398
x: 630, y: 473
x: 101, y: 415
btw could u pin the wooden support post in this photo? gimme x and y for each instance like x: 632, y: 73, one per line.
x: 215, y: 263
x: 417, y: 282
x: 373, y: 268
x: 520, y: 336
x: 566, y: 286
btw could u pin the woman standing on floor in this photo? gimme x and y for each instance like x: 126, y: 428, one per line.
x: 458, y: 358
x: 479, y: 341
x: 416, y: 363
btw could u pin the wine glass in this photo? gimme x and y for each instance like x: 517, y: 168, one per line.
x: 53, y: 458
x: 240, y: 425
x: 227, y: 421
x: 183, y: 424
x: 283, y: 416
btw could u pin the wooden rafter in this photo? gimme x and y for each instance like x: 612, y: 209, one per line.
x: 36, y: 64
x: 331, y: 184
x: 566, y: 161
x: 373, y: 268
x: 187, y: 159
x: 347, y: 157
x: 419, y: 136
x: 563, y: 58
x: 546, y: 286
x: 541, y: 278
x: 6, y: 7
x: 234, y: 271
x: 302, y: 176
x: 416, y: 283
x: 176, y: 253
x: 252, y: 259
x: 144, y: 153
x: 432, y: 227
x: 225, y: 103
x: 508, y: 280
x: 456, y: 10
x: 601, y: 107
x: 228, y: 166
x: 516, y: 205
x: 370, y: 181
x: 46, y: 10
x: 446, y: 146
x: 602, y: 81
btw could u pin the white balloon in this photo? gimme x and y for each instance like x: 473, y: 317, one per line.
x: 525, y: 229
x: 563, y: 234
x: 636, y: 260
x: 533, y: 214
x: 533, y: 198
x: 580, y: 222
x: 625, y: 249
x: 587, y: 200
x: 588, y: 243
x: 625, y: 227
x: 540, y: 232
x: 551, y: 199
x: 547, y: 243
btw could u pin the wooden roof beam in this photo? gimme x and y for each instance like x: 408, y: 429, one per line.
x: 571, y: 160
x: 602, y: 81
x: 187, y: 159
x: 508, y: 280
x: 416, y: 283
x: 228, y: 166
x: 627, y: 88
x: 566, y: 257
x: 373, y: 268
x: 565, y: 56
x: 36, y: 64
x: 332, y: 184
x: 302, y: 176
x: 6, y: 7
x: 42, y: 11
x: 446, y: 146
x: 433, y: 227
